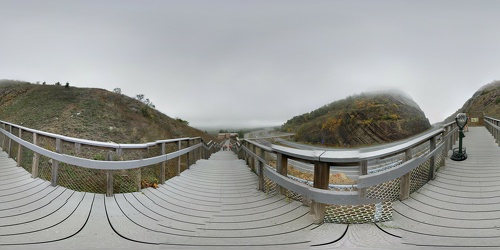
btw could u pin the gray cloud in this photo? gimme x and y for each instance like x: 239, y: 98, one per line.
x: 249, y: 63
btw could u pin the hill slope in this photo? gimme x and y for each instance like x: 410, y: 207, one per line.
x: 486, y: 99
x: 88, y: 113
x: 361, y: 120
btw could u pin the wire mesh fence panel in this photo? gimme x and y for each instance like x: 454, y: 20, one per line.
x: 350, y: 214
x: 126, y: 181
x: 150, y: 175
x: 14, y: 145
x: 130, y: 180
x: 419, y: 176
x: 439, y: 161
x: 81, y: 179
x: 172, y: 164
x: 420, y: 149
x: 269, y: 186
x: 27, y: 155
x: 389, y: 190
x: 45, y: 163
x: 383, y: 211
x: 294, y: 196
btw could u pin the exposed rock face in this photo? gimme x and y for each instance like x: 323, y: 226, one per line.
x: 360, y: 120
x: 486, y: 100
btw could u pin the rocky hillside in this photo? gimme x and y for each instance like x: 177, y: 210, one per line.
x: 360, y: 120
x: 88, y: 113
x: 486, y: 99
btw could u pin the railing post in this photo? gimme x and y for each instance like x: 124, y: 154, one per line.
x: 3, y: 138
x: 405, y: 179
x: 163, y: 165
x: 10, y: 143
x: 139, y: 175
x: 451, y: 141
x: 241, y: 152
x: 261, y: 170
x: 78, y: 148
x: 282, y: 168
x: 497, y: 132
x: 200, y: 149
x: 203, y: 150
x: 456, y: 135
x: 363, y: 170
x: 321, y: 181
x: 19, y: 148
x: 247, y: 160
x: 55, y: 164
x: 36, y: 157
x: 188, y: 155
x: 444, y: 153
x: 178, y: 171
x: 432, y: 160
x: 109, y: 177
x: 254, y: 160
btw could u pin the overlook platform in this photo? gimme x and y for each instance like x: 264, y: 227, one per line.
x: 215, y: 204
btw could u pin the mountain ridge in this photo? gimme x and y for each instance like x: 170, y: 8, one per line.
x: 360, y: 120
x: 485, y: 101
x: 88, y: 113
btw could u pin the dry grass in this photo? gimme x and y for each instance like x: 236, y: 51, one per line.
x: 339, y: 178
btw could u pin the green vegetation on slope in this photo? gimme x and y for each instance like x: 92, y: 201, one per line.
x: 360, y: 120
x: 88, y: 113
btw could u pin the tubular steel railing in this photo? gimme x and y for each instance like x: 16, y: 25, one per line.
x: 370, y: 197
x: 100, y: 167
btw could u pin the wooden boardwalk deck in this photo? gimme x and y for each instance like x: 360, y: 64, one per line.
x: 215, y: 204
x: 461, y: 207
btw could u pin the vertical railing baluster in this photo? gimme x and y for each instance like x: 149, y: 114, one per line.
x: 3, y: 138
x: 405, y: 179
x: 261, y: 170
x: 19, y: 149
x: 178, y: 171
x: 163, y: 164
x: 55, y: 164
x: 254, y: 160
x: 189, y: 153
x: 139, y: 174
x: 282, y: 169
x: 363, y: 170
x: 321, y: 180
x: 78, y: 148
x: 109, y: 176
x: 10, y: 143
x: 497, y: 133
x: 200, y: 149
x: 444, y: 153
x: 36, y: 157
x: 432, y: 160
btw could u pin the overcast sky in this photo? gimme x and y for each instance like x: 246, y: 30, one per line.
x: 254, y: 63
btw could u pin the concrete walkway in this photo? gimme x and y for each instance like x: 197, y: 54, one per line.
x: 215, y: 204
